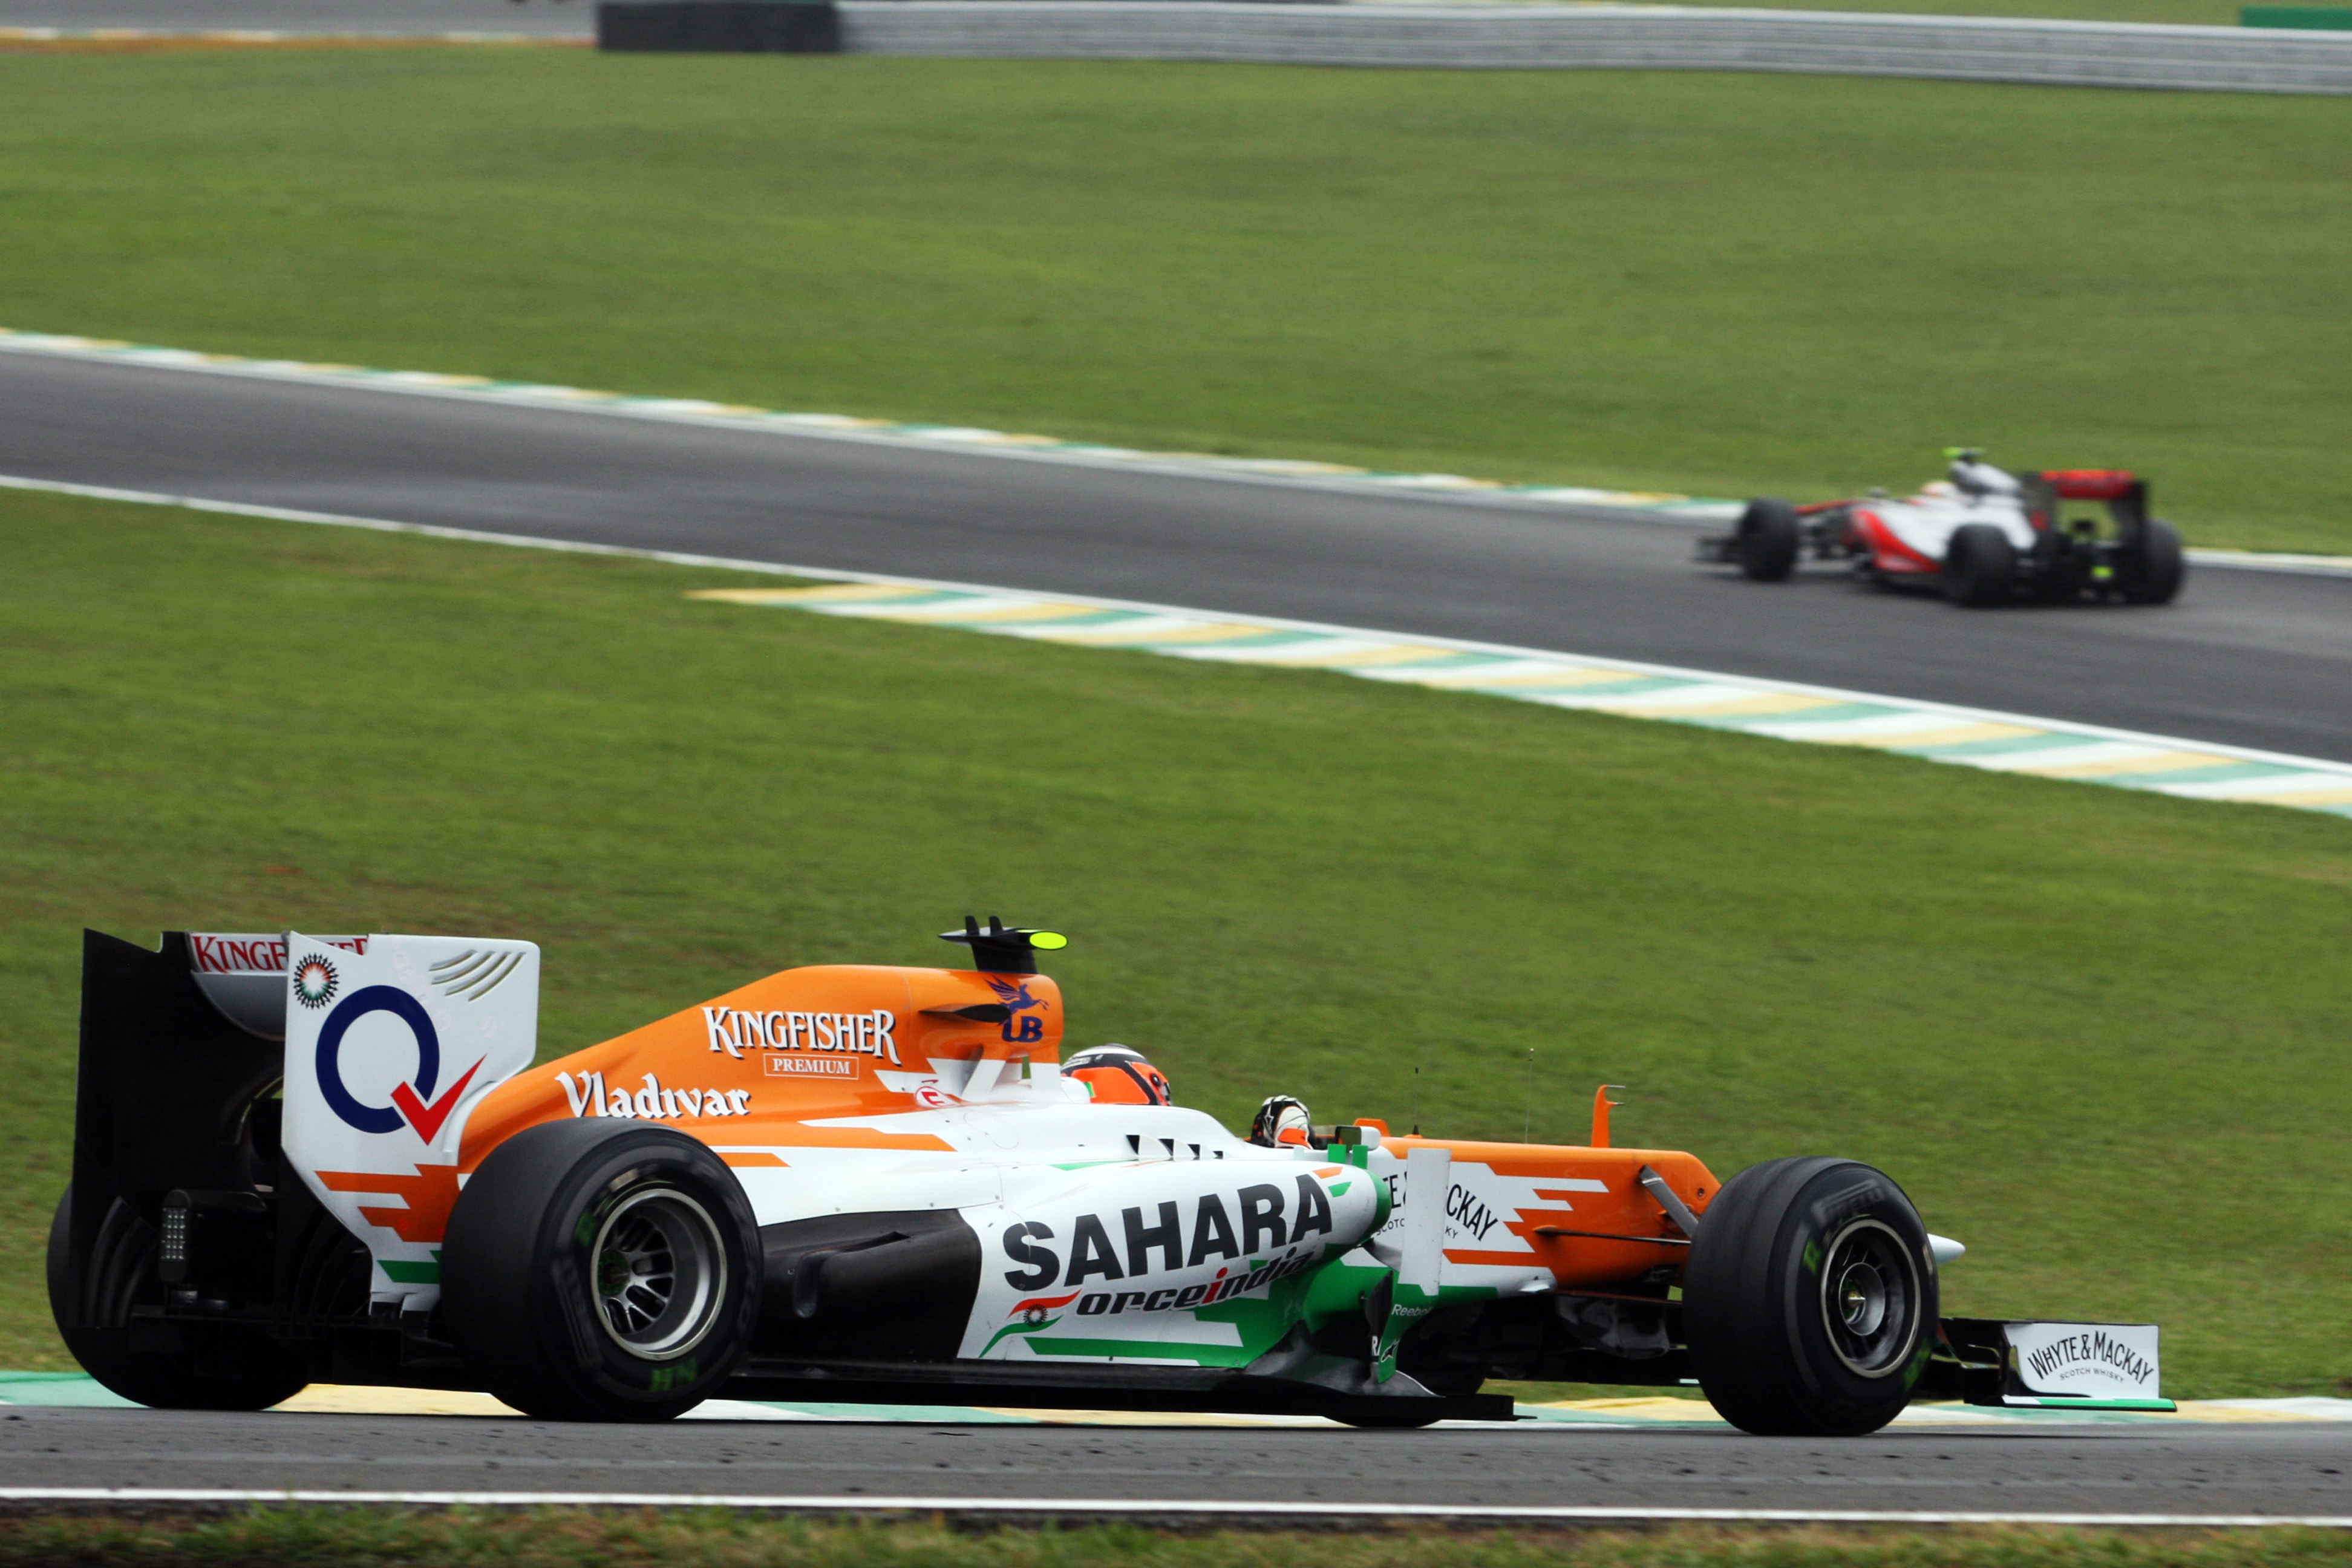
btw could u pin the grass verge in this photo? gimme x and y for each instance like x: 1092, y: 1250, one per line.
x: 363, y: 1538
x: 1698, y: 282
x: 2071, y: 1021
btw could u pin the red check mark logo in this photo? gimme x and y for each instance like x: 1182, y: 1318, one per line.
x: 427, y: 1118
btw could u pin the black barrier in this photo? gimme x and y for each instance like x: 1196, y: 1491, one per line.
x: 719, y: 26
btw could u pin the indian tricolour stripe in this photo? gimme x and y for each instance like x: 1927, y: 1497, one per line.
x: 1934, y: 732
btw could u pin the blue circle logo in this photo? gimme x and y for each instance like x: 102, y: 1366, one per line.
x: 357, y: 1006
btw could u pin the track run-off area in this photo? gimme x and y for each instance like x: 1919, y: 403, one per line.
x: 1570, y: 598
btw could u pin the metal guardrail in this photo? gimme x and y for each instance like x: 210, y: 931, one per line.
x: 1609, y: 37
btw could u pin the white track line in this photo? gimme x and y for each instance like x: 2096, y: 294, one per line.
x: 2274, y: 561
x: 1122, y: 1507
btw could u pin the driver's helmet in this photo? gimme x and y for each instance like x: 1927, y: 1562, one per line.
x: 1118, y: 1074
x: 1281, y: 1120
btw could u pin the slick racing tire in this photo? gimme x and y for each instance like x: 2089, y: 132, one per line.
x: 1809, y: 1302
x: 2152, y: 573
x: 92, y: 1297
x: 601, y: 1270
x: 1980, y: 566
x: 1769, y: 539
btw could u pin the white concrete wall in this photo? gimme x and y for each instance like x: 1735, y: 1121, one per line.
x: 1604, y: 37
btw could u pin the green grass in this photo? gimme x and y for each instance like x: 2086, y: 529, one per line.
x: 2097, y: 1034
x: 1711, y: 283
x: 578, y: 1538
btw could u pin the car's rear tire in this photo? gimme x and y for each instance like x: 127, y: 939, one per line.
x: 1980, y: 566
x: 1809, y: 1302
x: 2152, y: 573
x: 600, y: 1270
x: 92, y: 1297
x: 1769, y: 539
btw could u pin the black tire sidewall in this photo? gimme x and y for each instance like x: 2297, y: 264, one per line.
x: 1979, y: 567
x: 1771, y: 535
x: 518, y: 1275
x: 1753, y: 1301
x: 1825, y: 1205
x: 2154, y: 571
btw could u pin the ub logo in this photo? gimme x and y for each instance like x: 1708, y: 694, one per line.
x: 1020, y: 1023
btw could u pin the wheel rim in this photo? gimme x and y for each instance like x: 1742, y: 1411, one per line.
x: 659, y: 1273
x: 1870, y: 1297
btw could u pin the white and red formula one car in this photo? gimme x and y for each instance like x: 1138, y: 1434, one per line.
x: 304, y: 1159
x: 1984, y: 536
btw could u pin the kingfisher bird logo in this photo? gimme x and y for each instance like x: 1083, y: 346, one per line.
x: 1017, y: 1002
x: 413, y: 1103
x: 315, y: 981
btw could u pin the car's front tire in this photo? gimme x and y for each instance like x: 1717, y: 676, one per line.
x: 1809, y: 1302
x: 1769, y: 539
x: 1980, y: 566
x: 600, y: 1270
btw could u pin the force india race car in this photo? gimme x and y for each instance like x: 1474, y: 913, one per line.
x: 1984, y: 536
x: 305, y: 1159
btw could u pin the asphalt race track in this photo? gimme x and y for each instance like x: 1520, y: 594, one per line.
x: 2251, y: 659
x: 390, y: 19
x: 2291, y: 1469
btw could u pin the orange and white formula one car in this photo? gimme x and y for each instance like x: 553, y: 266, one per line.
x: 308, y: 1159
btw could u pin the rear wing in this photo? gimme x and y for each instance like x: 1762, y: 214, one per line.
x: 2126, y: 494
x: 257, y: 1084
x: 390, y: 1044
x: 173, y: 1091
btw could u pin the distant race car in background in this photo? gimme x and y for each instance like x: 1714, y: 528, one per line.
x: 1985, y: 536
